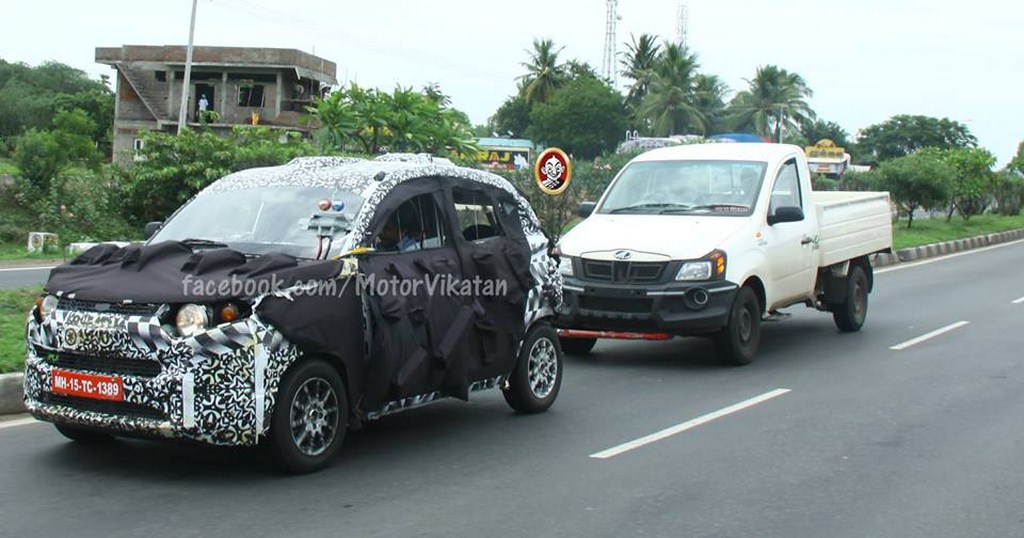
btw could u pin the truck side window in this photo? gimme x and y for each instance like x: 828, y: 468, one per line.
x: 786, y: 192
x: 417, y: 224
x: 476, y: 214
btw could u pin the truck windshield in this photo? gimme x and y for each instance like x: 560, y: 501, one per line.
x: 682, y: 187
x: 257, y: 220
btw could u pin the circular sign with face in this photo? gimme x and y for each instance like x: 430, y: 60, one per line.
x: 553, y: 171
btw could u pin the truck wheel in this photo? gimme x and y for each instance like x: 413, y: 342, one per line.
x: 83, y: 435
x: 534, y: 383
x: 738, y: 342
x: 577, y: 346
x: 850, y: 315
x: 310, y: 416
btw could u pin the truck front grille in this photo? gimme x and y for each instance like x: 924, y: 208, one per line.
x: 125, y: 309
x: 623, y: 272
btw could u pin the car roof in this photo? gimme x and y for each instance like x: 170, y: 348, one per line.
x: 721, y: 151
x: 345, y: 173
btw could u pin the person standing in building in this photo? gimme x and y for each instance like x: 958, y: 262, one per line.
x: 203, y: 105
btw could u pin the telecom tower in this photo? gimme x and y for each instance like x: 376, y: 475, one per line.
x: 609, y: 67
x: 681, y: 24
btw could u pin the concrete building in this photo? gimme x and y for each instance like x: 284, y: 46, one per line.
x: 243, y: 86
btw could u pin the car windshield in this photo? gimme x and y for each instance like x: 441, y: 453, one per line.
x: 258, y: 220
x: 685, y: 187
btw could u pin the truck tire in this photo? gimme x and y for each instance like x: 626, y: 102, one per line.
x: 577, y: 346
x: 310, y: 417
x: 534, y: 383
x: 850, y: 315
x: 738, y: 342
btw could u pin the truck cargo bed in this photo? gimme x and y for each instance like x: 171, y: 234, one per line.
x: 851, y: 224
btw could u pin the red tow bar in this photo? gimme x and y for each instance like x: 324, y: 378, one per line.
x: 617, y: 335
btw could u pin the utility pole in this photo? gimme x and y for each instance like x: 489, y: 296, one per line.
x: 183, y: 111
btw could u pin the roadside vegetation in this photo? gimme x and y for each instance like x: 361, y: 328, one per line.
x: 14, y: 308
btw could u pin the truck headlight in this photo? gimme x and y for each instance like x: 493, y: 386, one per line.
x: 695, y: 271
x: 565, y: 266
x: 710, y: 267
x: 192, y: 319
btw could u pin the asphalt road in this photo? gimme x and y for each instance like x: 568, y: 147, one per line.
x: 23, y: 277
x: 924, y: 440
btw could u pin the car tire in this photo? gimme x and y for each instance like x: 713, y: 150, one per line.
x: 739, y: 340
x: 577, y: 346
x: 83, y: 435
x: 537, y: 376
x: 850, y: 315
x: 310, y: 417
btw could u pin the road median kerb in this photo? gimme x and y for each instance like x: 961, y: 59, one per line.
x: 12, y: 389
x: 932, y: 250
x: 12, y: 393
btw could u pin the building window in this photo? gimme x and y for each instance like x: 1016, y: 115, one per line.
x: 161, y: 75
x: 138, y: 144
x: 250, y: 95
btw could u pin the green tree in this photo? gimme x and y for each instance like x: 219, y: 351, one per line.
x: 1009, y: 192
x: 973, y: 180
x: 709, y: 99
x: 816, y: 130
x: 917, y: 181
x: 904, y: 134
x: 669, y: 108
x: 774, y: 103
x: 638, y: 65
x: 512, y: 118
x: 585, y: 118
x: 544, y: 74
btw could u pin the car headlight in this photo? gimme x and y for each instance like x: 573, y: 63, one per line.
x: 710, y: 267
x: 45, y: 306
x: 695, y: 271
x: 192, y: 319
x: 565, y: 266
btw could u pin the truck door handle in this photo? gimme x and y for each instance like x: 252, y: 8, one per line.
x: 807, y: 241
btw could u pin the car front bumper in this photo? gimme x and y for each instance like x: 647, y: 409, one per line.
x: 215, y: 388
x: 677, y: 308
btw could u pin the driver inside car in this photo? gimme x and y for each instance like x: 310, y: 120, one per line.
x: 396, y: 238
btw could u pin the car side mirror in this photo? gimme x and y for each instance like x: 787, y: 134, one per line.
x: 786, y: 214
x: 585, y: 209
x: 153, y: 227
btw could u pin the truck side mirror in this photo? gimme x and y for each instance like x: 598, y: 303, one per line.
x: 786, y: 214
x: 153, y: 227
x: 585, y: 209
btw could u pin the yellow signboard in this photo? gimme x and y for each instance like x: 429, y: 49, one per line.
x: 824, y: 149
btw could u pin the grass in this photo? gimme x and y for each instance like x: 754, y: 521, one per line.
x: 18, y: 251
x: 14, y: 308
x: 936, y: 230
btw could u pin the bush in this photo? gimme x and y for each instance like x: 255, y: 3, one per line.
x: 1009, y: 193
x: 917, y: 181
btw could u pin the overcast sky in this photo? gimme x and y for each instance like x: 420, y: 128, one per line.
x: 866, y: 60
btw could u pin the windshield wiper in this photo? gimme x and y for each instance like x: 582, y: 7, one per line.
x: 654, y: 205
x: 708, y: 206
x: 195, y: 242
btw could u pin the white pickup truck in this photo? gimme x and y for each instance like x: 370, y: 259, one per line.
x: 710, y: 240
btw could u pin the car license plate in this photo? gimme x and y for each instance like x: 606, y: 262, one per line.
x: 95, y: 387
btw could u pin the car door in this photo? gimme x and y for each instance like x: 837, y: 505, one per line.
x: 790, y: 246
x: 496, y: 256
x: 420, y: 330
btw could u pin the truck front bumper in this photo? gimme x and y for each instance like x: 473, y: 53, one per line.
x: 677, y: 308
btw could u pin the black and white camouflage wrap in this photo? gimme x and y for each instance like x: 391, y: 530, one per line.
x: 219, y: 386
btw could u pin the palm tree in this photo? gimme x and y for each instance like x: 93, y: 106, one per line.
x: 773, y: 104
x: 544, y: 73
x: 669, y: 105
x: 709, y: 98
x: 638, y: 64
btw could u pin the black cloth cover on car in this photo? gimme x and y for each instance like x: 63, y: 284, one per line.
x: 170, y: 272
